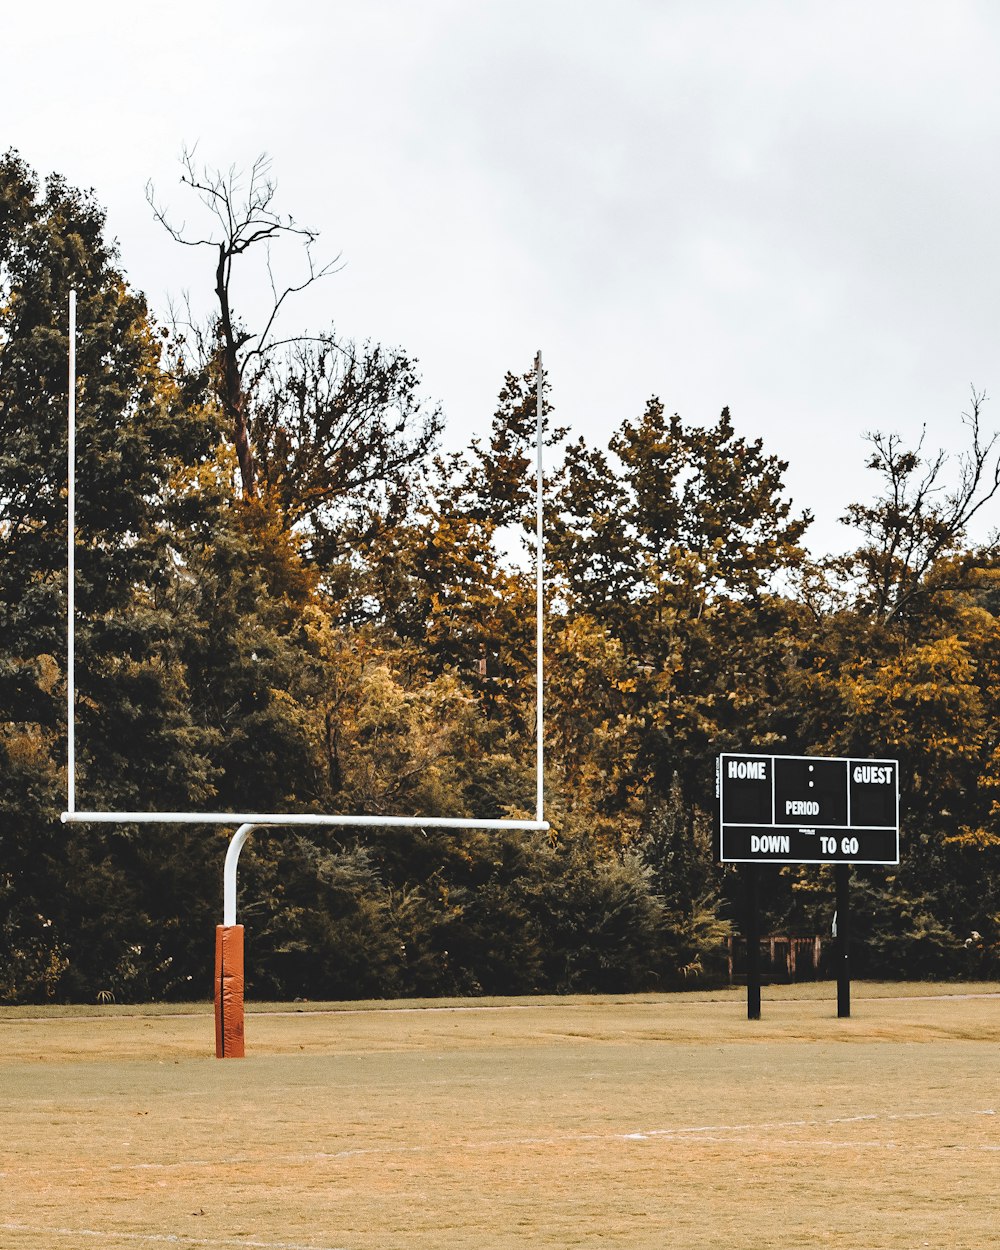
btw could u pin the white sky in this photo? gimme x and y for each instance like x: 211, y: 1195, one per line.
x: 786, y: 206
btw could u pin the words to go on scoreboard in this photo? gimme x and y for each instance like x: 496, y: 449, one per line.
x: 783, y: 809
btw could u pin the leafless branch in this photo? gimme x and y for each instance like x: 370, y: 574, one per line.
x: 244, y: 218
x: 919, y: 519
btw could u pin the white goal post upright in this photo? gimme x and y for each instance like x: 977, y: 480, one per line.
x: 539, y: 601
x: 71, y: 566
x: 229, y: 935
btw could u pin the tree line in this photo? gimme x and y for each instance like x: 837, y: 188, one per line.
x: 291, y: 598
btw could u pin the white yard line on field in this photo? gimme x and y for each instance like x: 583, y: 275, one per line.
x: 749, y: 1134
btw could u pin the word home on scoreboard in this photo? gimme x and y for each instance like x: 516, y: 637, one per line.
x: 794, y: 809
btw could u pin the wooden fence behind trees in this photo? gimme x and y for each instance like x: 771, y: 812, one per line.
x: 782, y: 958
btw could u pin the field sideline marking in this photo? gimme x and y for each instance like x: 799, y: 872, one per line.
x: 138, y: 1014
x: 168, y: 1239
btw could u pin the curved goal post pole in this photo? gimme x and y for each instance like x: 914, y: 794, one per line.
x: 236, y: 844
x: 229, y: 963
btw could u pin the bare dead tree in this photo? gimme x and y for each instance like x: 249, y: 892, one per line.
x: 919, y: 519
x: 244, y: 218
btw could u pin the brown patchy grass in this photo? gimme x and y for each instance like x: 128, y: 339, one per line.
x: 648, y: 1121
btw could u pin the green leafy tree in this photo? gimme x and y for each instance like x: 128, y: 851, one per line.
x: 134, y: 427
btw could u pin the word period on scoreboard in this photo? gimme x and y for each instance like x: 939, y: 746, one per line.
x: 794, y: 809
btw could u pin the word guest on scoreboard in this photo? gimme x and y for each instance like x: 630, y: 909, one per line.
x: 785, y: 809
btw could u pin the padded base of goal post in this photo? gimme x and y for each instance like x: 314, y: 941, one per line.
x: 229, y: 991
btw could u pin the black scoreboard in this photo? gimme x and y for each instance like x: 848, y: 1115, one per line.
x: 785, y: 809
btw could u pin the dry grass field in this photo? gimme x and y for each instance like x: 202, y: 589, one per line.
x: 650, y: 1121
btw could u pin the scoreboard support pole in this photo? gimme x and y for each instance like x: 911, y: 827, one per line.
x: 753, y: 941
x: 843, y: 878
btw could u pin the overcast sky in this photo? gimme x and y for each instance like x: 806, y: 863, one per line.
x: 784, y: 206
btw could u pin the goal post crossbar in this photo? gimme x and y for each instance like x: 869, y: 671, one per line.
x: 299, y: 819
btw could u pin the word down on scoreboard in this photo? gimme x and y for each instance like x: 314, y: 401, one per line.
x: 785, y: 809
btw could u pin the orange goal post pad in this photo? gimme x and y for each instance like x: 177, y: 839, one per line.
x: 229, y: 1039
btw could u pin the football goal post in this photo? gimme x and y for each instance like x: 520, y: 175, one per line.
x: 229, y: 961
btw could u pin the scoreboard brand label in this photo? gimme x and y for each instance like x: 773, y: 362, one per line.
x: 793, y: 809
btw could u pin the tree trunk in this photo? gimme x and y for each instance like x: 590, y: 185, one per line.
x: 231, y: 385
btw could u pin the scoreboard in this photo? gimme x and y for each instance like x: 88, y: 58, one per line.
x: 785, y: 809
